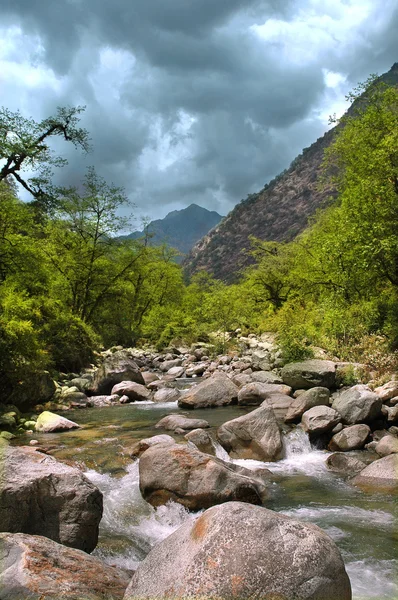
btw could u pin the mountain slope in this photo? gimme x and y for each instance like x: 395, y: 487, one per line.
x: 180, y: 229
x: 278, y: 212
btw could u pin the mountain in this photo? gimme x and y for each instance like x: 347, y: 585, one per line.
x: 180, y: 229
x: 278, y: 212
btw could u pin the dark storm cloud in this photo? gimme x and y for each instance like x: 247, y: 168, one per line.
x: 206, y: 111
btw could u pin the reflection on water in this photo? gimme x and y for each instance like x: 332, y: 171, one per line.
x: 363, y: 525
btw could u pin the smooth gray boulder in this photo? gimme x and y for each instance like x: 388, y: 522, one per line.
x: 320, y: 419
x: 253, y: 394
x: 350, y: 438
x: 317, y: 396
x: 115, y: 368
x: 166, y: 395
x: 266, y: 377
x: 41, y: 496
x: 309, y: 374
x: 217, y: 390
x: 194, y: 479
x: 36, y: 568
x: 255, y: 435
x: 358, y: 404
x: 139, y: 447
x: 172, y: 422
x: 149, y: 377
x: 135, y: 392
x: 245, y: 552
x: 382, y: 473
x: 344, y: 465
x: 387, y: 445
x: 202, y: 440
x: 48, y: 422
x: 387, y: 391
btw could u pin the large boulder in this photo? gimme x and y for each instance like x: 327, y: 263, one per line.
x: 193, y: 479
x: 41, y: 496
x: 173, y: 422
x: 317, y: 396
x: 48, y: 422
x: 320, y: 419
x: 243, y: 552
x: 115, y: 368
x: 266, y: 377
x: 345, y: 465
x: 135, y: 392
x: 387, y: 445
x: 217, y: 390
x: 350, y: 438
x: 166, y: 395
x: 381, y: 474
x: 309, y: 374
x: 139, y: 447
x: 37, y: 388
x: 358, y: 404
x: 202, y: 440
x: 254, y: 394
x: 37, y: 568
x: 255, y: 435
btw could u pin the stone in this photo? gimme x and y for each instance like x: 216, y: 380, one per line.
x: 241, y: 379
x: 266, y: 377
x: 255, y: 435
x: 169, y: 364
x: 387, y: 391
x: 253, y: 394
x: 37, y: 568
x: 38, y: 388
x: 149, y: 377
x: 115, y: 368
x: 381, y: 474
x: 309, y: 374
x: 245, y: 552
x: 196, y: 370
x: 392, y: 413
x: 172, y: 422
x: 41, y: 496
x: 217, y: 390
x: 81, y: 383
x: 167, y: 395
x: 194, y: 479
x: 99, y: 401
x: 387, y: 445
x: 135, y: 392
x: 48, y: 422
x: 319, y: 419
x: 202, y: 441
x: 358, y: 404
x: 139, y: 447
x: 350, y: 438
x: 176, y: 372
x: 342, y: 464
x: 316, y: 396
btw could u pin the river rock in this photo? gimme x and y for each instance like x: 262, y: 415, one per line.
x: 387, y: 445
x: 253, y: 394
x: 116, y: 368
x: 319, y: 419
x: 173, y: 422
x: 266, y: 377
x: 99, y: 401
x: 169, y: 364
x: 38, y: 568
x: 255, y: 435
x: 192, y: 478
x: 38, y: 388
x: 309, y: 374
x: 135, y: 392
x: 344, y: 465
x: 382, y: 473
x: 245, y: 552
x: 202, y: 441
x: 217, y: 390
x: 387, y: 391
x: 350, y: 438
x: 358, y: 405
x: 317, y: 396
x: 176, y: 372
x: 48, y: 422
x: 167, y: 395
x: 139, y: 447
x: 41, y: 496
x: 149, y: 377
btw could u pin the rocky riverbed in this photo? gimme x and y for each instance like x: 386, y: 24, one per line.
x: 290, y: 442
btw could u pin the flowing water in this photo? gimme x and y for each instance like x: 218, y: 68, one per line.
x: 363, y: 525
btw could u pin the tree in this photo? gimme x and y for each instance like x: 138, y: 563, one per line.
x: 24, y: 146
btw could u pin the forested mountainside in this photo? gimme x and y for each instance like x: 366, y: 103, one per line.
x: 277, y: 213
x: 180, y: 229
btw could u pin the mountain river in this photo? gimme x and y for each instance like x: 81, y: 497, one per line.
x: 364, y: 526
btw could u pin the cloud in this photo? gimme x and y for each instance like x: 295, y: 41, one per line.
x: 200, y: 101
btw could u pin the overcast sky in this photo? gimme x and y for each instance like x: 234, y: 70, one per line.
x: 192, y: 100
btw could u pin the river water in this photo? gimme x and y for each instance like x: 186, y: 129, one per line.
x: 363, y: 525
